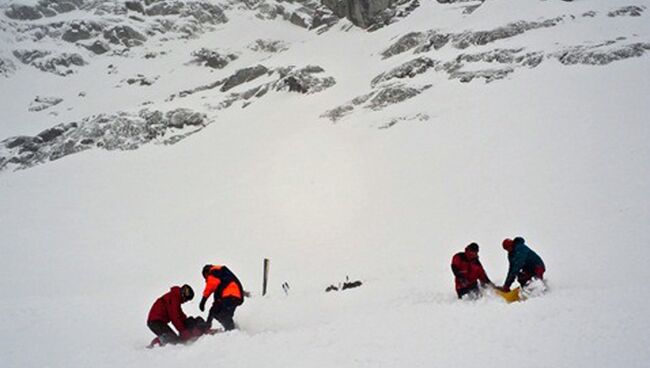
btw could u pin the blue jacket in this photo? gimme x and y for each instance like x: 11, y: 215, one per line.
x: 522, y: 258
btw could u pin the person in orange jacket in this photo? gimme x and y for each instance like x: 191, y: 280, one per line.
x: 228, y: 294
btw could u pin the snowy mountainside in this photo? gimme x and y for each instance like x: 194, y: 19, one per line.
x: 131, y: 39
x: 143, y: 139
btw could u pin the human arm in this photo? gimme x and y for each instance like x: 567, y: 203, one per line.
x: 517, y: 261
x: 176, y: 314
x: 211, y: 285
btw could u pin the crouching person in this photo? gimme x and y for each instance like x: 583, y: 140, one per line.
x: 167, y: 309
x: 525, y: 264
x: 228, y: 294
x: 468, y: 272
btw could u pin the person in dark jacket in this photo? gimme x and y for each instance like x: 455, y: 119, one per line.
x: 167, y: 309
x: 525, y: 264
x: 228, y: 294
x: 468, y: 271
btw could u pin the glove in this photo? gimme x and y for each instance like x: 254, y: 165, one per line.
x: 504, y: 288
x: 202, y: 304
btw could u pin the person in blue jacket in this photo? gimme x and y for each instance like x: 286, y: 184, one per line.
x: 525, y: 264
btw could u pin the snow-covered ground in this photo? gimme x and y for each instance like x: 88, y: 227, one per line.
x: 556, y: 153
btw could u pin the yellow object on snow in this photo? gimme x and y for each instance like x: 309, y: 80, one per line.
x: 510, y: 296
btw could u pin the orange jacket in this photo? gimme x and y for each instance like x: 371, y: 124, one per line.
x: 223, y: 283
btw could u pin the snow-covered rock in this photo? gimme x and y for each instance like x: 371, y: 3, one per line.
x: 121, y: 131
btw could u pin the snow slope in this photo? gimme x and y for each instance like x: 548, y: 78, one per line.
x: 557, y: 153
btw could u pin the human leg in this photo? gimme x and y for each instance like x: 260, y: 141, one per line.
x: 163, y: 331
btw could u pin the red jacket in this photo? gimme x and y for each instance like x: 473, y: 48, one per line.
x: 167, y: 309
x: 467, y: 272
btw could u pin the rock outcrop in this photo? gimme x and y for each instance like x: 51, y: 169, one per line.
x: 376, y: 100
x: 61, y: 64
x: 121, y: 131
x: 212, y: 58
x: 371, y: 14
x: 43, y: 103
x: 7, y: 67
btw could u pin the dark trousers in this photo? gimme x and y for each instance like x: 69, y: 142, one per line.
x: 223, y: 311
x: 526, y: 275
x: 164, y: 332
x: 472, y: 290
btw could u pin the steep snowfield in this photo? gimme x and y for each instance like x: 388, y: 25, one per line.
x: 557, y: 153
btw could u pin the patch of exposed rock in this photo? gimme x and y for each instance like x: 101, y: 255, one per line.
x: 98, y: 47
x: 43, y: 103
x: 394, y: 121
x: 407, y: 70
x: 7, y: 67
x: 376, y: 100
x: 140, y: 80
x: 212, y: 58
x: 124, y: 35
x: 426, y: 41
x: 627, y: 11
x: 270, y: 46
x: 119, y: 23
x: 307, y: 80
x: 81, y: 30
x: 122, y: 131
x: 61, y: 64
x: 467, y: 39
x: 488, y: 75
x: 371, y: 14
x: 601, y: 56
x: 44, y: 8
x: 309, y: 14
x: 242, y: 76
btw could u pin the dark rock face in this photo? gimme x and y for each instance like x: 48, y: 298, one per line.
x: 212, y: 58
x: 140, y: 80
x: 405, y: 43
x: 601, y: 56
x: 627, y: 11
x: 58, y: 64
x: 407, y: 70
x: 124, y: 35
x: 488, y: 75
x: 392, y: 95
x: 80, y: 30
x: 242, y: 76
x: 44, y: 8
x: 371, y: 14
x: 98, y: 47
x: 134, y: 6
x: 22, y: 12
x: 426, y: 41
x: 376, y: 100
x: 307, y: 80
x: 120, y: 131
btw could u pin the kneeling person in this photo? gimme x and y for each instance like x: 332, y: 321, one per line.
x: 525, y: 264
x: 167, y: 309
x: 468, y: 271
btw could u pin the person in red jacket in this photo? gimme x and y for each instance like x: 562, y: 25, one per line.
x: 167, y: 309
x: 228, y: 294
x: 468, y: 271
